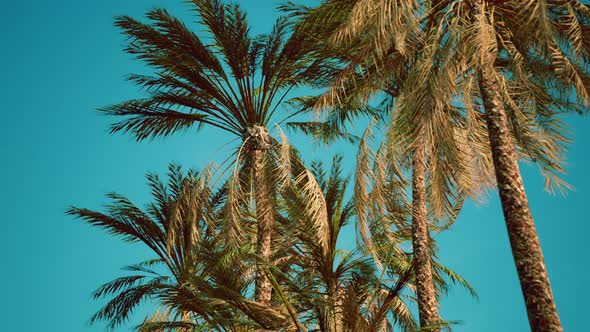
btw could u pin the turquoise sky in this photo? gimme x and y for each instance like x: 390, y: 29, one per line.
x: 60, y: 60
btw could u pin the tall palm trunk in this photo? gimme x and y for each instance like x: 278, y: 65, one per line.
x: 427, y: 302
x: 526, y: 248
x: 338, y: 314
x: 264, y: 213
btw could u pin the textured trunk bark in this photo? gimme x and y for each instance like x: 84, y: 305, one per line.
x: 427, y: 302
x: 526, y: 248
x: 338, y: 314
x: 264, y: 216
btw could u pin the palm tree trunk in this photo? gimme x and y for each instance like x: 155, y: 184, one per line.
x: 264, y: 216
x: 526, y: 248
x: 338, y: 316
x: 427, y: 302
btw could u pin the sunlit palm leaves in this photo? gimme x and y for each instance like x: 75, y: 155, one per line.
x: 525, y: 60
x: 338, y: 290
x: 534, y: 88
x: 529, y: 66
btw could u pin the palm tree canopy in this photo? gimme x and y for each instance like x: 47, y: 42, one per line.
x: 229, y: 79
x: 428, y: 71
x: 195, y: 276
x: 539, y: 54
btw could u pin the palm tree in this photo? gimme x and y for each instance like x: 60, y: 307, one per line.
x: 441, y: 145
x: 197, y: 280
x: 526, y: 61
x: 360, y: 290
x: 387, y: 214
x: 337, y: 290
x: 446, y: 150
x: 235, y: 83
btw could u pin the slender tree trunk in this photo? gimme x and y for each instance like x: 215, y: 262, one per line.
x: 264, y: 216
x: 526, y: 248
x: 338, y: 315
x: 427, y: 302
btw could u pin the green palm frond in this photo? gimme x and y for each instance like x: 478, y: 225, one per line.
x: 120, y: 307
x: 330, y: 277
x: 456, y: 279
x: 187, y: 275
x: 237, y: 82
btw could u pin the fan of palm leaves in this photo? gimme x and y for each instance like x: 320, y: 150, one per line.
x: 199, y: 280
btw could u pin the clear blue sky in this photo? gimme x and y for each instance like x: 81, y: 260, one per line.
x: 60, y: 60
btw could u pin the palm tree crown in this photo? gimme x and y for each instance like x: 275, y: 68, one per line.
x: 234, y: 83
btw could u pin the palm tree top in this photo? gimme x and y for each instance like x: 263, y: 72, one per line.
x: 233, y: 81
